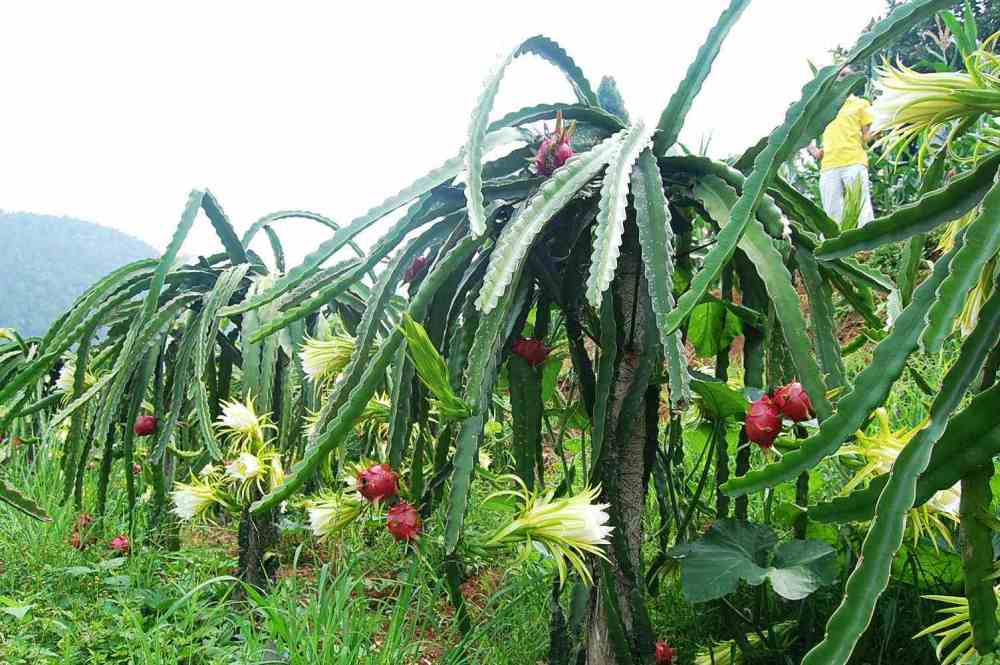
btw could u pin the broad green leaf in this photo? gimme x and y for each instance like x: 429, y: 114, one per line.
x: 712, y: 328
x: 718, y: 198
x: 802, y: 566
x: 719, y: 400
x: 731, y: 551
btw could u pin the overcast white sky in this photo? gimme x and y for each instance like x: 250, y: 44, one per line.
x: 112, y: 111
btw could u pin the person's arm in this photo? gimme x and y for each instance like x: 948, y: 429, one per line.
x: 815, y: 151
x: 866, y: 134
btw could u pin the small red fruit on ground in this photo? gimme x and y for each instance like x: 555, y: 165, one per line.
x: 403, y: 521
x: 664, y: 654
x: 120, y: 543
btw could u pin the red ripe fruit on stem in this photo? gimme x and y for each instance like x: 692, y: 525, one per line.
x: 84, y: 520
x: 763, y: 422
x: 120, y: 544
x: 794, y: 402
x: 415, y: 269
x: 144, y: 425
x: 403, y: 521
x: 378, y: 482
x: 532, y: 350
x: 555, y: 149
x: 664, y: 654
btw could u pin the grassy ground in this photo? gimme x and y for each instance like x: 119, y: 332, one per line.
x: 366, y: 599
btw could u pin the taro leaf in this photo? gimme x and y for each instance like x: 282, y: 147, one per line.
x: 802, y: 566
x: 17, y: 611
x: 712, y: 328
x: 718, y: 399
x: 78, y: 571
x: 732, y: 550
x: 713, y: 566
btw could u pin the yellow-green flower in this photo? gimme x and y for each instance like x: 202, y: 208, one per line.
x: 323, y: 360
x: 67, y: 377
x: 569, y: 528
x: 241, y: 423
x: 191, y: 500
x: 954, y: 631
x: 911, y: 102
x: 880, y: 451
x: 250, y: 475
x: 330, y: 513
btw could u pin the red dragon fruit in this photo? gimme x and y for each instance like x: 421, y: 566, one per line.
x: 415, y: 269
x: 664, y: 654
x: 794, y: 402
x: 120, y: 543
x: 403, y: 521
x: 378, y: 482
x: 144, y: 425
x: 763, y: 422
x: 555, y: 148
x: 532, y: 350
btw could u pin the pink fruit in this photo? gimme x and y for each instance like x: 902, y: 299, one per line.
x: 563, y: 152
x: 144, y: 425
x: 555, y: 148
x: 763, y: 422
x: 794, y: 402
x: 415, y: 269
x: 532, y: 350
x: 664, y: 654
x: 120, y: 544
x: 378, y: 482
x: 403, y: 521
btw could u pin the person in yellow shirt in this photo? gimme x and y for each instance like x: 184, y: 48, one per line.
x: 844, y: 157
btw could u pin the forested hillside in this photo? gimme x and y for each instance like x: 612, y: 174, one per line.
x: 48, y: 261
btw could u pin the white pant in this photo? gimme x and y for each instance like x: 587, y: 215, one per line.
x: 832, y: 186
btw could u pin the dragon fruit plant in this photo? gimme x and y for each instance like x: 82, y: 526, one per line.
x: 603, y: 238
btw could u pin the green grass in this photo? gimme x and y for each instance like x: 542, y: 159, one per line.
x: 367, y: 599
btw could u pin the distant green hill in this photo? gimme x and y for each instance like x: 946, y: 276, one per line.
x: 46, y: 262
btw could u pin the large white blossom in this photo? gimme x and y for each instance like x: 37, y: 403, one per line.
x: 191, y: 500
x: 323, y: 359
x: 245, y: 467
x: 330, y: 513
x: 568, y: 528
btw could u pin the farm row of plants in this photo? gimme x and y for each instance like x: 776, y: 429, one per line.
x: 578, y: 353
